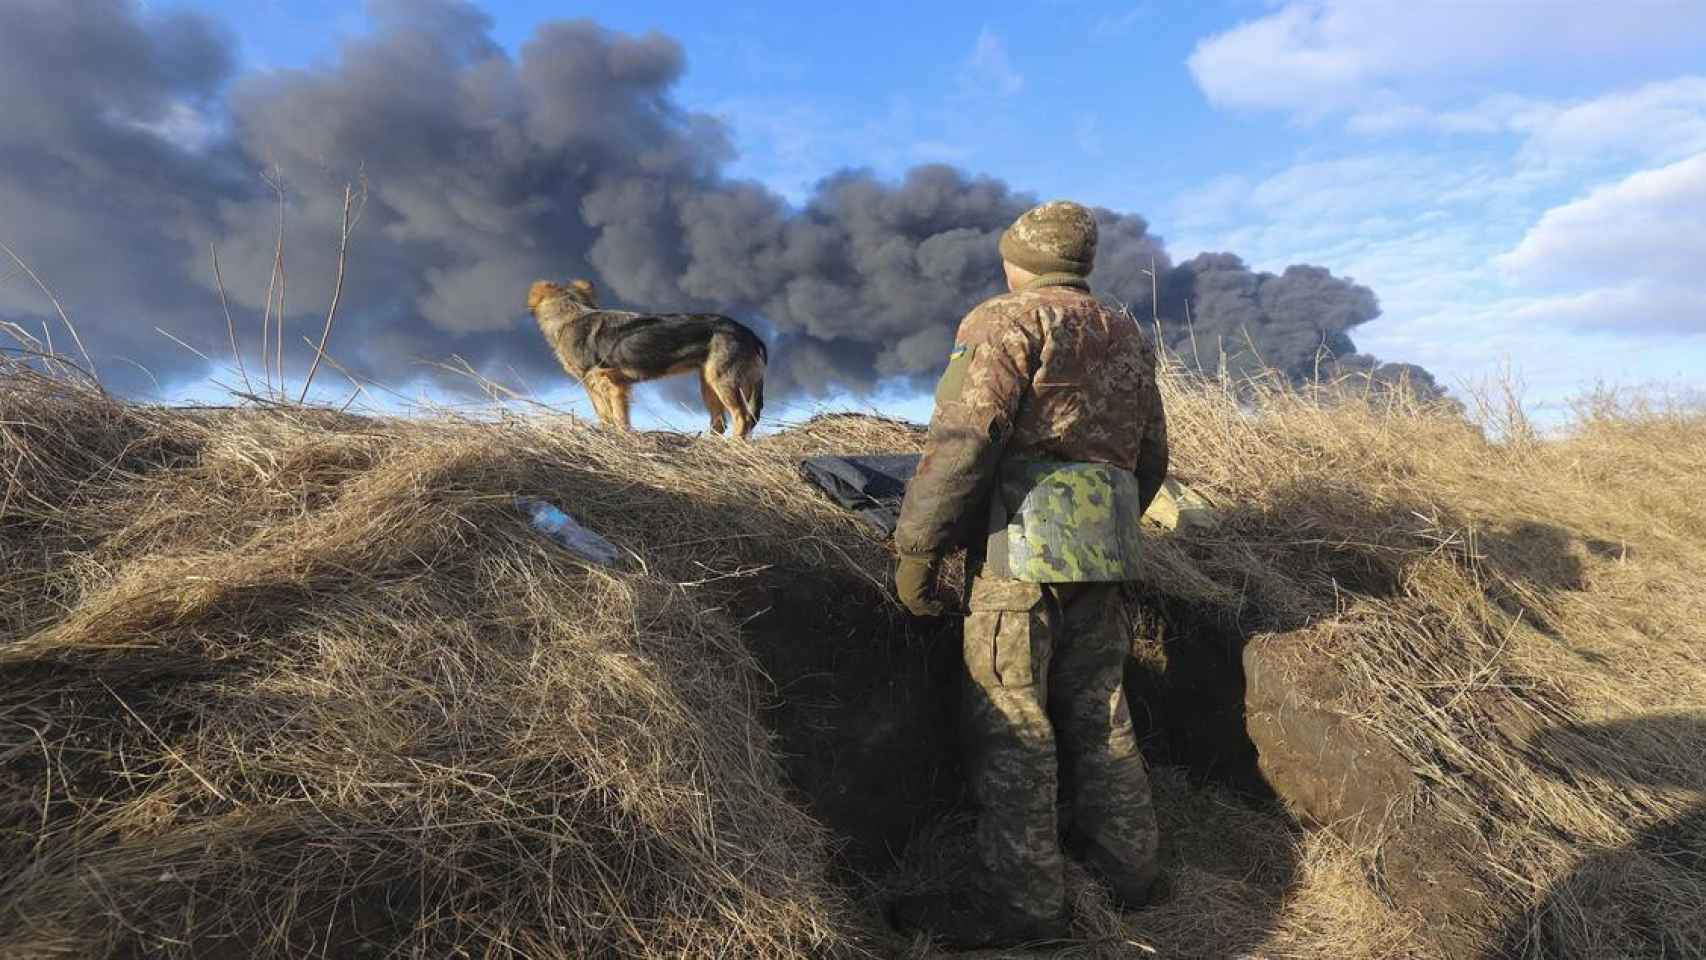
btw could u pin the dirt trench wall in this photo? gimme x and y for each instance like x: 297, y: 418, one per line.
x: 1186, y: 691
x: 1263, y: 714
x: 865, y: 706
x: 1333, y: 773
x: 864, y: 703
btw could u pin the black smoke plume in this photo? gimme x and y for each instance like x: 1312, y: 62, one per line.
x: 1222, y: 317
x: 131, y: 144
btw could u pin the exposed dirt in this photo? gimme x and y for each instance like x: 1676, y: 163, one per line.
x: 866, y: 704
x: 865, y: 707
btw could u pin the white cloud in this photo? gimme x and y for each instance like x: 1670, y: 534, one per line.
x: 989, y: 70
x: 1484, y: 234
x: 1357, y: 201
x: 1650, y: 225
x: 1473, y: 270
x: 1658, y: 122
x: 790, y: 142
x: 1654, y: 123
x: 1632, y: 310
x: 1537, y: 339
x: 1320, y: 57
x: 1497, y: 113
x: 1629, y: 257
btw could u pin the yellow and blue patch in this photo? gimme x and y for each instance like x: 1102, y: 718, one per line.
x: 954, y: 378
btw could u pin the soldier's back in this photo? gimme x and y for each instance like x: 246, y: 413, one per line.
x: 1092, y: 390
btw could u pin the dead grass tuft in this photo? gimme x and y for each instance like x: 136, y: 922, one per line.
x: 286, y: 682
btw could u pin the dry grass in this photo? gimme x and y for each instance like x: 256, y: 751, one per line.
x: 284, y: 682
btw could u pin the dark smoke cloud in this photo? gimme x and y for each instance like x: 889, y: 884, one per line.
x: 1221, y: 315
x: 101, y: 205
x: 130, y: 144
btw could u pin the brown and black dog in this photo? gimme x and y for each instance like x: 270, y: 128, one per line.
x: 609, y: 351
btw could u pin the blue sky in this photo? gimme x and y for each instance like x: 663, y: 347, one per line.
x: 1520, y: 183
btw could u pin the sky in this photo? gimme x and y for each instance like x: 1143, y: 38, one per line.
x: 1522, y: 185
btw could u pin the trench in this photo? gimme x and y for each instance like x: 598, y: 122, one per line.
x: 865, y: 705
x: 1186, y: 687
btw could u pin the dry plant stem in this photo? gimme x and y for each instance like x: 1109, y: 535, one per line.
x: 230, y: 327
x: 1192, y: 330
x: 276, y: 681
x: 202, y: 356
x: 276, y: 182
x: 337, y: 292
x: 89, y: 364
x: 278, y: 339
x: 363, y: 385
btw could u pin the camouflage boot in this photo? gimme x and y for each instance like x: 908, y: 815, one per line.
x: 1129, y: 889
x: 968, y: 920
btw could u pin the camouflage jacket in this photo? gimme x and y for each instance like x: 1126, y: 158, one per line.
x: 1044, y: 374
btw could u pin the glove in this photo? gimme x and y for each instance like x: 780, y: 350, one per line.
x: 915, y: 584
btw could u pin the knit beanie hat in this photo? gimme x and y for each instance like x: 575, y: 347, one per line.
x: 1057, y: 237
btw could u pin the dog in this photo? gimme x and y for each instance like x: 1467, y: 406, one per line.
x: 609, y: 351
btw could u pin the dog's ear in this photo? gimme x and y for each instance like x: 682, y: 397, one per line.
x: 584, y: 292
x: 541, y: 291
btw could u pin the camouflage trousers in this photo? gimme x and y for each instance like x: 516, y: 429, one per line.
x: 1046, y: 718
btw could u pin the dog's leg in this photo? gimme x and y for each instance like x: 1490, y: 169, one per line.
x: 713, y: 406
x: 600, y: 390
x: 594, y: 395
x: 620, y: 400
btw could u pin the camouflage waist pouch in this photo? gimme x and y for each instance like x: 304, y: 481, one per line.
x: 1063, y: 523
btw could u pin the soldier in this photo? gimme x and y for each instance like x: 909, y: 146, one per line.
x: 1047, y: 443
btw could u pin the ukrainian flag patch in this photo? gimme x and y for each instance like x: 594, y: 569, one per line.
x: 954, y: 378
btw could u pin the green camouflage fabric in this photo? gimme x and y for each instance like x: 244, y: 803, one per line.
x: 1178, y: 507
x: 1048, y: 373
x: 1063, y: 523
x: 1055, y: 237
x: 1046, y: 712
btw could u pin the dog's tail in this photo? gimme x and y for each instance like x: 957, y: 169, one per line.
x: 755, y: 398
x: 736, y: 368
x: 752, y: 386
